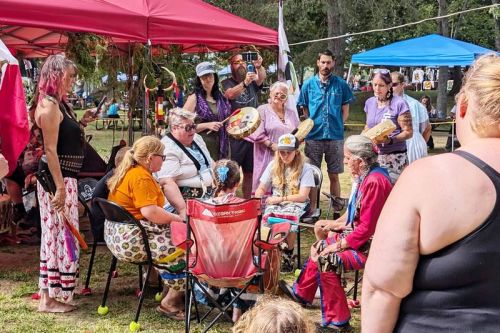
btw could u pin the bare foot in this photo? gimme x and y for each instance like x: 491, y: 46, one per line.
x: 53, y: 306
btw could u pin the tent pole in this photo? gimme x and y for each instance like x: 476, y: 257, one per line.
x: 349, y: 72
x: 130, y: 79
x: 145, y: 103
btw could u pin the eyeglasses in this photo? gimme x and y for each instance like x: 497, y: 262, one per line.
x: 160, y: 155
x: 381, y: 71
x: 188, y: 128
x: 280, y: 96
x: 238, y: 62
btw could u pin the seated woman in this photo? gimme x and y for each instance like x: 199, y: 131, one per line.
x: 133, y: 187
x: 185, y: 172
x: 343, y: 243
x: 226, y: 182
x: 290, y: 179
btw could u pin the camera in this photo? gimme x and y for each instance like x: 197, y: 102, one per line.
x: 249, y: 56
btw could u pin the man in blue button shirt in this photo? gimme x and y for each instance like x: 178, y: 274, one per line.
x: 325, y: 98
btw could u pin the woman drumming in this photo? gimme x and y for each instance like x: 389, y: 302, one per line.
x: 433, y: 264
x: 63, y: 142
x: 186, y: 172
x: 289, y: 179
x: 133, y: 187
x: 276, y: 120
x: 343, y: 243
x: 385, y: 105
x: 211, y: 108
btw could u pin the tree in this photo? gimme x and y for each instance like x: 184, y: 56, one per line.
x: 443, y: 29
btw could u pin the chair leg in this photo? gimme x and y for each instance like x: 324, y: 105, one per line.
x: 356, y: 280
x: 140, y: 277
x: 141, y: 298
x: 91, y: 264
x: 112, y: 268
x: 298, y: 248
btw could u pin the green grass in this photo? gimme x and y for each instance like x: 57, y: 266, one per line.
x: 19, y: 270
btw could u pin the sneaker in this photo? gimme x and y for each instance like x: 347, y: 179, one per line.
x: 346, y: 328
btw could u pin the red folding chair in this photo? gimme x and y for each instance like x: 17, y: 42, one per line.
x: 224, y: 249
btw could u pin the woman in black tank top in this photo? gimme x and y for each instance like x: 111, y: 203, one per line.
x: 63, y: 148
x: 433, y: 264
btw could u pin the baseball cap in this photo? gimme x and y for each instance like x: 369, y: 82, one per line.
x: 288, y: 142
x: 204, y: 68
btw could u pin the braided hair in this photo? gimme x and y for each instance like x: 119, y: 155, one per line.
x: 226, y: 175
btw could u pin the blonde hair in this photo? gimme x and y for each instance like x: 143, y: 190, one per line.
x: 274, y: 315
x: 140, y: 151
x: 482, y: 85
x: 291, y: 181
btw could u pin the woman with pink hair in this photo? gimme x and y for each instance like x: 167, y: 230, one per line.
x: 63, y: 141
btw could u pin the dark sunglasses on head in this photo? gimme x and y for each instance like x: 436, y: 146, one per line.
x: 188, y: 128
x: 160, y: 155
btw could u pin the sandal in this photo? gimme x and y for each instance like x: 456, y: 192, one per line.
x: 174, y: 315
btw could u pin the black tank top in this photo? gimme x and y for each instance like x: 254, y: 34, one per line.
x: 457, y: 289
x: 70, y: 144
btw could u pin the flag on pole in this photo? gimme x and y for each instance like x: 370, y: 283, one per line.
x: 14, y: 126
x: 286, y: 70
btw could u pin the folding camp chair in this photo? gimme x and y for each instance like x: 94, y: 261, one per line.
x: 225, y: 248
x: 117, y: 214
x: 314, y: 214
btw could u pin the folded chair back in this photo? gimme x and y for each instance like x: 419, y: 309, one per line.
x: 224, y: 238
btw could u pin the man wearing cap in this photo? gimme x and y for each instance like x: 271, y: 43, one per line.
x: 211, y: 109
x: 325, y: 98
x: 241, y: 89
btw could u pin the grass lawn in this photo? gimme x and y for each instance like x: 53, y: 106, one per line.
x: 19, y: 271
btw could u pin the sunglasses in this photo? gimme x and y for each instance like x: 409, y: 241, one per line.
x: 160, y: 155
x: 395, y: 84
x: 280, y: 96
x: 238, y: 62
x: 188, y: 128
x: 381, y: 71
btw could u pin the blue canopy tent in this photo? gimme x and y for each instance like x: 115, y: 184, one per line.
x: 430, y: 50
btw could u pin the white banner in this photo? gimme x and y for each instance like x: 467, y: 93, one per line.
x: 286, y: 70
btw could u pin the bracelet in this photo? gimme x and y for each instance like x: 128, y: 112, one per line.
x: 244, y: 85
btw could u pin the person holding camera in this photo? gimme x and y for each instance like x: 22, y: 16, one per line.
x: 247, y: 78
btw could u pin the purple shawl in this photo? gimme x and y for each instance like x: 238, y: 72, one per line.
x: 206, y: 115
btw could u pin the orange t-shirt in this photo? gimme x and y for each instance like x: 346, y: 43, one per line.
x: 137, y: 189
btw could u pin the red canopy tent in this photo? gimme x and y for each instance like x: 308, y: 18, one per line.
x: 37, y: 27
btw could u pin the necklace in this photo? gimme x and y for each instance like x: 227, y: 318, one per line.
x: 280, y: 117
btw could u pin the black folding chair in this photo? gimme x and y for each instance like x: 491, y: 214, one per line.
x: 314, y: 213
x: 117, y: 214
x: 86, y: 188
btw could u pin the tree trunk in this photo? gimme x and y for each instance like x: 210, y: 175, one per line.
x: 497, y: 27
x: 442, y: 98
x: 336, y: 27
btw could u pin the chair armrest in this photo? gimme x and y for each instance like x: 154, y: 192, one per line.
x: 278, y: 232
x: 178, y: 234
